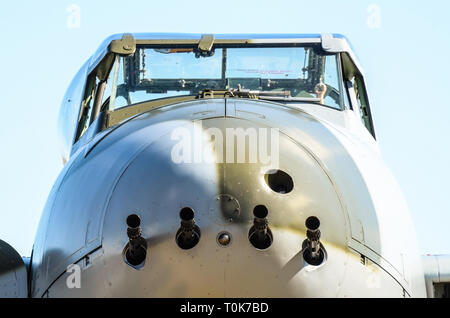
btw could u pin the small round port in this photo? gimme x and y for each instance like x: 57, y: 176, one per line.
x: 224, y: 239
x: 279, y: 181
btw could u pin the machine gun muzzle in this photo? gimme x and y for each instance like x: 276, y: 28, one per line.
x: 312, y: 249
x: 137, y: 246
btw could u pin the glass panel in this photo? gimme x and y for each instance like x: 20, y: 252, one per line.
x: 358, y: 93
x: 276, y: 63
x: 363, y: 106
x: 164, y: 63
x: 331, y: 80
x: 153, y: 73
x: 88, y: 104
x: 107, y: 91
x: 122, y: 95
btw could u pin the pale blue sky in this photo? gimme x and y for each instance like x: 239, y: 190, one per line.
x: 405, y: 57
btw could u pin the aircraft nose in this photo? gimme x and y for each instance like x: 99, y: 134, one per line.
x: 233, y: 199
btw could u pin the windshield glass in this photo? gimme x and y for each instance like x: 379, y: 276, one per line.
x: 158, y: 72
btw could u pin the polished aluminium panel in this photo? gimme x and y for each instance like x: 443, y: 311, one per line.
x: 324, y: 163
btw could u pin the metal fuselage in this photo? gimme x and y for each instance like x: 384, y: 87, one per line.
x: 338, y: 176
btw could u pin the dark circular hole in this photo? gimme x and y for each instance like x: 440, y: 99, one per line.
x: 279, y: 181
x: 136, y: 258
x: 186, y: 214
x: 133, y: 221
x: 314, y: 261
x: 260, y: 211
x: 259, y: 243
x: 312, y: 223
x: 188, y: 242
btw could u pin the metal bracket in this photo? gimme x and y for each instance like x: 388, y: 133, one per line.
x: 124, y: 46
x: 205, y: 45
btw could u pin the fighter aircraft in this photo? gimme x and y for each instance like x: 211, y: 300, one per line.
x: 222, y: 166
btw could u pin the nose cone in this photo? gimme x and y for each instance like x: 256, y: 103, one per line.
x: 191, y: 166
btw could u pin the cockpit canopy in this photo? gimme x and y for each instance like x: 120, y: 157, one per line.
x: 156, y: 69
x: 161, y: 72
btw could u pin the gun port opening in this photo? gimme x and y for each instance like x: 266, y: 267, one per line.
x: 260, y: 235
x: 135, y: 257
x: 313, y: 251
x: 315, y: 261
x: 135, y: 251
x: 188, y: 235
